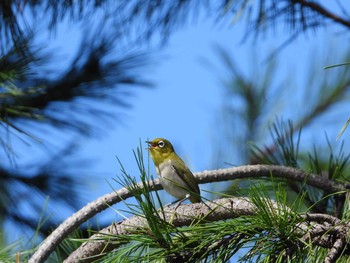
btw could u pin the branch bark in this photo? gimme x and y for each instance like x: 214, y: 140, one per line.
x: 329, y: 234
x: 183, y: 215
x: 242, y: 172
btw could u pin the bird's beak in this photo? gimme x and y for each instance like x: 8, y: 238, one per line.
x: 150, y: 145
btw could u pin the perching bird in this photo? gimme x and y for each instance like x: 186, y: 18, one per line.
x: 173, y: 173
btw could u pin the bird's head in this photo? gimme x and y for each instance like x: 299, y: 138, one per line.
x: 160, y: 149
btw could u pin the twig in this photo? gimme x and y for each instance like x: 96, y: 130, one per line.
x: 322, y: 11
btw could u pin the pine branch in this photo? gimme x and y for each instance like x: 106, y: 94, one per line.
x: 163, y: 16
x: 90, y: 76
x: 222, y: 209
x: 322, y: 11
x: 318, y: 234
x: 242, y: 172
x: 336, y: 94
x: 183, y: 215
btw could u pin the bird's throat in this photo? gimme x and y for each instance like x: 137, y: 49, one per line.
x: 160, y: 157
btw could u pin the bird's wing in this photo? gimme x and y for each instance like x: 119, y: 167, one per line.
x: 182, y: 170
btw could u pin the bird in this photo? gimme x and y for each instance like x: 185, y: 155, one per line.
x: 175, y: 177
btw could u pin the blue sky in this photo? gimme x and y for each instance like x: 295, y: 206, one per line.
x: 185, y: 104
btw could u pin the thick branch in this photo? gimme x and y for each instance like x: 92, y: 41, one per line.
x: 185, y: 215
x: 263, y: 171
x: 242, y: 172
x: 74, y: 221
x: 329, y: 235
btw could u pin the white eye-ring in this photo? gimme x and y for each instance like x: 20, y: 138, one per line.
x: 161, y: 144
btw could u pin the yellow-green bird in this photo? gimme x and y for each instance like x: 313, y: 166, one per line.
x: 173, y: 173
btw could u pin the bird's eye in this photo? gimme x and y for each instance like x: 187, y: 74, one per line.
x: 161, y: 144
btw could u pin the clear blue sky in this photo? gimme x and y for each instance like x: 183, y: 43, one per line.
x: 185, y: 104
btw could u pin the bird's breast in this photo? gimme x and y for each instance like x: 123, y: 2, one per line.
x: 171, y: 181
